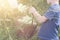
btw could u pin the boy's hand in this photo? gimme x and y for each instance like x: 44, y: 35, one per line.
x: 32, y: 10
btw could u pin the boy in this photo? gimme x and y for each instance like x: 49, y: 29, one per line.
x: 50, y: 21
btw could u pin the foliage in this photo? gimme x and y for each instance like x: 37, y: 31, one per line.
x: 8, y: 19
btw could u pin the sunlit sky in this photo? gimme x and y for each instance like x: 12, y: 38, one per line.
x: 12, y: 4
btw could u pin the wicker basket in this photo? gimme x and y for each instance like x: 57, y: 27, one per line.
x: 27, y: 31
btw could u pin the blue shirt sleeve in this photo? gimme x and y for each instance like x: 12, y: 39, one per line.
x: 49, y: 15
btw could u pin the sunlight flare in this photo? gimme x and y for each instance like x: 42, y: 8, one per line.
x: 13, y: 3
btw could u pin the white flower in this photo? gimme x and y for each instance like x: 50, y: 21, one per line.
x: 22, y: 8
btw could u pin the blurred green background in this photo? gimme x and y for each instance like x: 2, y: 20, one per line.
x: 8, y: 19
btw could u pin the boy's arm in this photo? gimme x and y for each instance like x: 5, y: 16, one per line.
x: 38, y: 17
